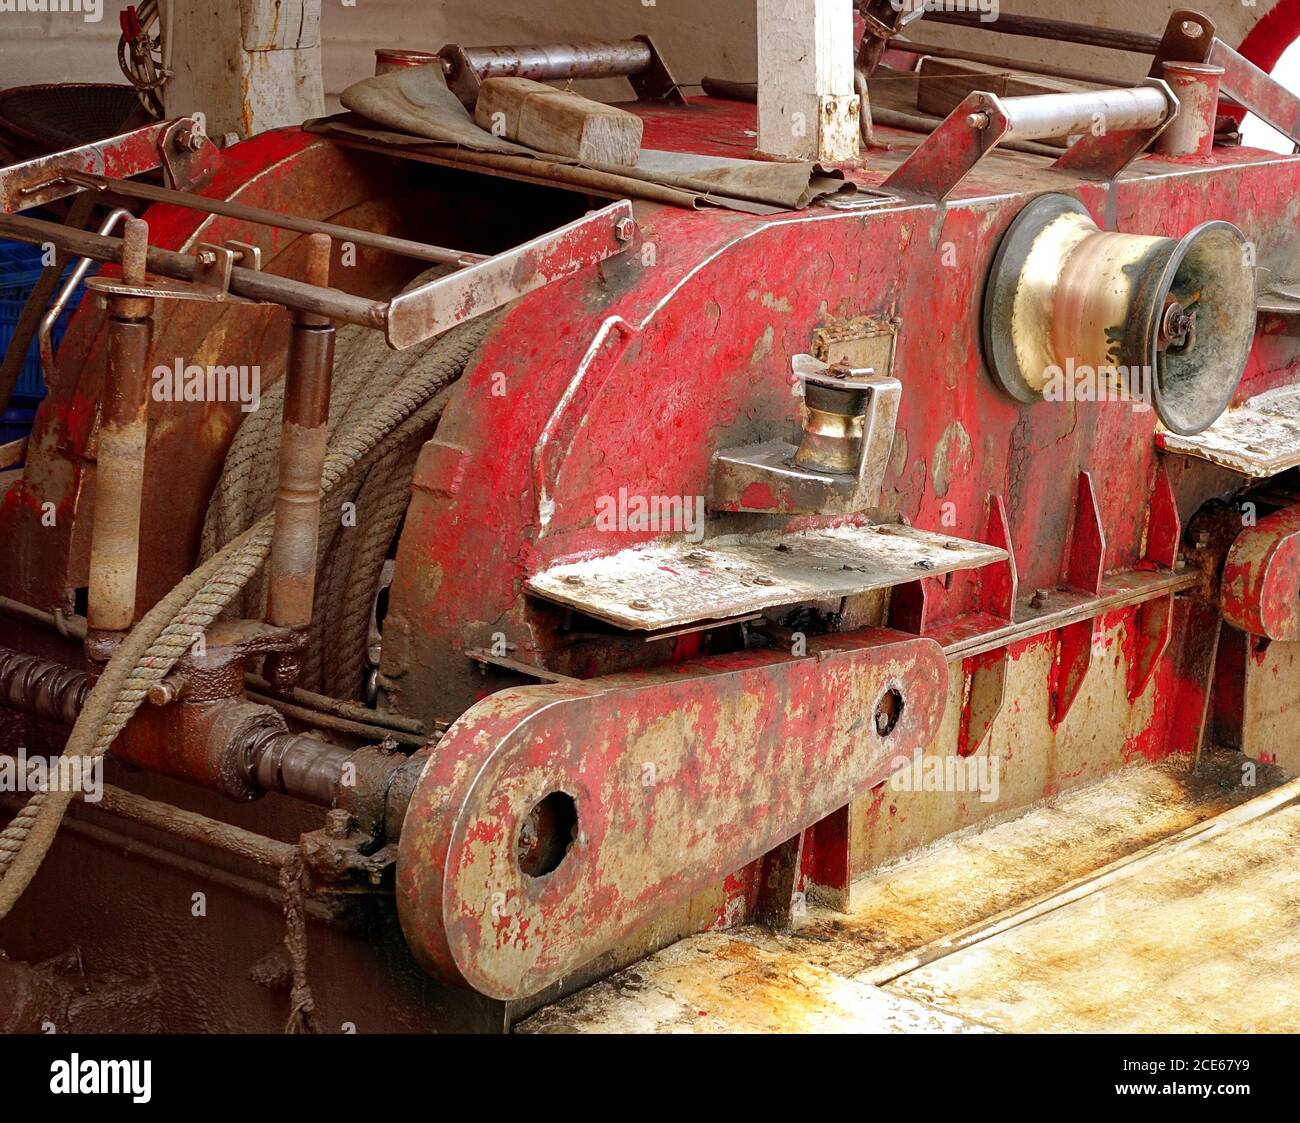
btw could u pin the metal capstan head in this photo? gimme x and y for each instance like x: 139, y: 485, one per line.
x: 1165, y: 320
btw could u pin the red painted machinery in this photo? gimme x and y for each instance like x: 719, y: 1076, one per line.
x: 621, y: 554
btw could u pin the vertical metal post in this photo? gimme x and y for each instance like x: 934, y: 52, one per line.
x: 123, y: 429
x: 292, y: 566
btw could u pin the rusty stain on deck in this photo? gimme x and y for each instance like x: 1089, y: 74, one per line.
x: 1069, y: 970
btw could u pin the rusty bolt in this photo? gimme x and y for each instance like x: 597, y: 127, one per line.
x: 641, y: 604
x: 625, y: 229
x: 338, y: 822
x: 163, y: 693
x: 191, y: 140
x: 572, y: 579
x: 206, y: 257
x: 760, y: 580
x: 978, y: 120
x: 1038, y: 599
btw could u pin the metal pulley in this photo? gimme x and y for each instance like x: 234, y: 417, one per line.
x: 1166, y: 321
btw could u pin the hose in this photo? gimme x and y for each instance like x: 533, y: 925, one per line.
x: 410, y: 406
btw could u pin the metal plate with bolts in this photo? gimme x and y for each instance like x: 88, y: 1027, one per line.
x: 667, y: 585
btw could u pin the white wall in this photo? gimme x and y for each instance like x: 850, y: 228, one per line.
x: 715, y: 37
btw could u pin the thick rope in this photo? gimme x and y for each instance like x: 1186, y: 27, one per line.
x: 302, y: 1003
x: 351, y: 553
x: 175, y: 623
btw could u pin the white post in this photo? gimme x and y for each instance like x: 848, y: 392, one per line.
x: 248, y: 65
x: 807, y: 109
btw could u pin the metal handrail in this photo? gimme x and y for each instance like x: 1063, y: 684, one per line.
x: 46, y: 334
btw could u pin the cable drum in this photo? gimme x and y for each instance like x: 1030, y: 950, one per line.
x: 359, y: 519
x: 392, y: 413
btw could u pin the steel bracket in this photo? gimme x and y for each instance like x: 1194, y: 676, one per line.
x: 949, y: 154
x: 432, y: 308
x: 764, y: 478
x: 1104, y: 155
x: 166, y: 144
x: 656, y: 785
x: 1085, y: 566
x: 987, y: 672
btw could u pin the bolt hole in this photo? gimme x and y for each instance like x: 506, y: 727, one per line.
x: 888, y: 710
x: 546, y: 834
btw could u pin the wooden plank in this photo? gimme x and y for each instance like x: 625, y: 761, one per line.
x: 558, y: 121
x: 946, y: 83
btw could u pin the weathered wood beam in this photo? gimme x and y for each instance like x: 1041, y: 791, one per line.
x: 807, y: 109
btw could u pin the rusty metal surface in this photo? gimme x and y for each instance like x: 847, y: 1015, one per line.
x: 1196, y: 86
x: 671, y: 780
x: 291, y: 567
x: 1258, y: 438
x: 669, y: 585
x: 123, y: 430
x: 1260, y: 589
x: 748, y: 980
x: 727, y: 983
x: 39, y: 181
x: 636, y: 376
x: 440, y: 304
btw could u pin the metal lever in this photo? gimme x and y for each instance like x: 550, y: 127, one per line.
x: 46, y: 334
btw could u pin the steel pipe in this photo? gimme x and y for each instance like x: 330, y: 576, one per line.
x: 60, y: 302
x: 420, y: 251
x: 300, y: 765
x: 1196, y: 85
x: 1085, y: 35
x: 291, y: 569
x: 270, y: 759
x: 119, y: 462
x: 546, y: 62
x: 252, y: 284
x: 1043, y: 116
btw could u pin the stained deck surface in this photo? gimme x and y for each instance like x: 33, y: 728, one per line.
x: 1200, y: 934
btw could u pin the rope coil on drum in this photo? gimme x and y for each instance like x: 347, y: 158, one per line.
x: 384, y: 420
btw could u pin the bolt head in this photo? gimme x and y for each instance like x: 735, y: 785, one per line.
x: 625, y: 229
x: 338, y: 822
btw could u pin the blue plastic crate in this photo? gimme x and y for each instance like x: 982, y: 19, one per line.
x: 16, y: 423
x: 20, y: 266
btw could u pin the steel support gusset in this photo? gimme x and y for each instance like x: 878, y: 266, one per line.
x: 1155, y: 626
x: 778, y: 884
x: 1155, y: 618
x: 986, y: 673
x: 1085, y: 565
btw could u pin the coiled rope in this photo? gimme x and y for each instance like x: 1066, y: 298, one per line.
x: 389, y: 420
